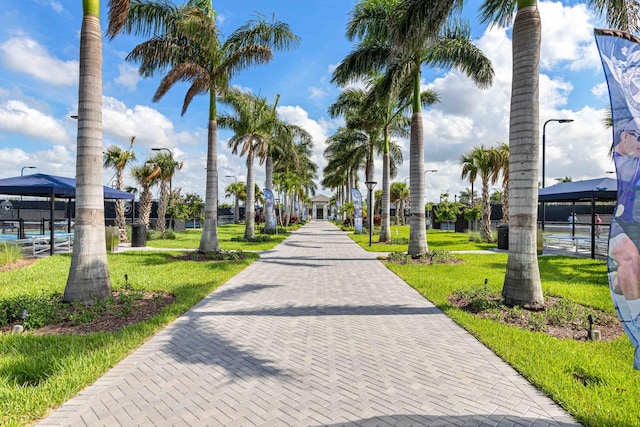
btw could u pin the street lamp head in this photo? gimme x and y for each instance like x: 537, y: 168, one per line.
x: 370, y: 184
x: 565, y: 120
x: 26, y: 167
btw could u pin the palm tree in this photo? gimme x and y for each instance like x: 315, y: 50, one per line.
x: 522, y: 280
x: 234, y: 190
x: 186, y: 40
x: 252, y: 121
x: 501, y: 153
x: 482, y: 162
x: 118, y: 159
x: 167, y: 167
x: 405, y: 36
x: 146, y: 176
x: 89, y: 278
x: 400, y: 196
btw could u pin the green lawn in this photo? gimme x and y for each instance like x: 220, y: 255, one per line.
x: 190, y: 239
x: 39, y: 372
x: 559, y: 367
x: 436, y: 240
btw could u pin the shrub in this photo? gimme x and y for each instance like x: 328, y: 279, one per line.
x: 442, y: 257
x: 399, y: 257
x: 399, y: 241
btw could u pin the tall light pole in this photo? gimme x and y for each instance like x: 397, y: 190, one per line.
x: 370, y: 185
x: 544, y: 129
x: 235, y: 200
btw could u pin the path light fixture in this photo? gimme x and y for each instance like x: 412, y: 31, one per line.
x: 370, y: 186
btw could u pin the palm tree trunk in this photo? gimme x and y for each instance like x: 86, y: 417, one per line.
x: 522, y: 281
x: 146, y: 202
x: 120, y: 221
x: 249, y: 206
x: 268, y: 219
x: 88, y: 278
x: 209, y: 239
x: 417, y: 222
x: 505, y: 202
x: 385, y: 229
x: 486, y: 211
x: 162, y: 207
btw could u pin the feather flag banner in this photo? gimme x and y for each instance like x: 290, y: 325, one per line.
x: 620, y: 55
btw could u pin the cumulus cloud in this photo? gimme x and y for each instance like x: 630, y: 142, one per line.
x: 151, y: 128
x: 19, y: 118
x: 316, y: 92
x: 25, y: 55
x: 53, y: 4
x: 128, y: 76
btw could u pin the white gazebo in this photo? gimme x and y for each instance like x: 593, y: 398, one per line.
x: 320, y: 207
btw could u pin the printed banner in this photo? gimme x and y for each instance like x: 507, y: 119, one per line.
x: 620, y: 55
x: 296, y: 208
x: 269, y: 206
x: 357, y: 209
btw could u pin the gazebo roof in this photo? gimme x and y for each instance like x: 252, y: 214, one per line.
x: 598, y: 189
x: 42, y: 185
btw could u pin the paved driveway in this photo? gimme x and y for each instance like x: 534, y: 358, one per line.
x: 315, y: 333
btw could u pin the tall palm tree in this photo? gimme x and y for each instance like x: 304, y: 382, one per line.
x: 501, y: 153
x: 482, y: 162
x: 234, y: 190
x: 400, y: 197
x: 167, y: 167
x: 146, y: 177
x: 522, y: 280
x: 117, y: 158
x: 89, y: 278
x: 186, y: 41
x: 252, y: 120
x: 408, y: 35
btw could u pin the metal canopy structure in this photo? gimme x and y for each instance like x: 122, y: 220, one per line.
x: 590, y: 190
x: 603, y: 189
x: 42, y: 185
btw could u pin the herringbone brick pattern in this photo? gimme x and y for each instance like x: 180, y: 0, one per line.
x: 315, y: 333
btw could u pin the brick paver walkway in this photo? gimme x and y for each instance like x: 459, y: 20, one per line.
x: 315, y: 333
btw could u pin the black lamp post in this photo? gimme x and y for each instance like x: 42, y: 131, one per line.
x: 544, y: 129
x: 370, y: 186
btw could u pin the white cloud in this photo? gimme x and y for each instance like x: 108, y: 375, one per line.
x: 17, y: 117
x: 25, y: 55
x: 600, y: 90
x: 317, y: 92
x: 567, y: 37
x: 151, y: 128
x: 128, y: 76
x: 53, y: 4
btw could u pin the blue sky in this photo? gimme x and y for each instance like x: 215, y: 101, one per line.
x: 39, y: 42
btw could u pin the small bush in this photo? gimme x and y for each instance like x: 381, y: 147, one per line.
x: 399, y: 241
x: 280, y: 230
x: 254, y: 239
x: 399, y: 257
x: 9, y: 253
x: 169, y: 235
x: 442, y: 257
x: 481, y: 298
